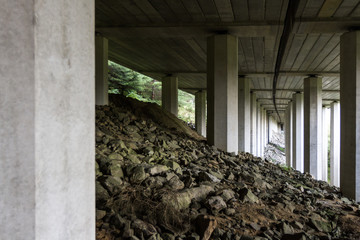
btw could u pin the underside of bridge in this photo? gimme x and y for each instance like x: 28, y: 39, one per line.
x: 256, y: 62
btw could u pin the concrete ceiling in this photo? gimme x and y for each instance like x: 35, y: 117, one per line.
x: 160, y: 37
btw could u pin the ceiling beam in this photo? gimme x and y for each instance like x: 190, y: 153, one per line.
x: 291, y: 90
x: 249, y: 74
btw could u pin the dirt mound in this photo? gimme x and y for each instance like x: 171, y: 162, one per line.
x: 157, y: 183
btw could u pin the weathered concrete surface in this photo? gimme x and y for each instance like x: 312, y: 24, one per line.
x: 101, y: 71
x: 313, y: 126
x: 244, y: 114
x: 47, y: 97
x: 200, y: 112
x: 169, y: 94
x: 222, y: 95
x: 325, y: 143
x: 335, y: 144
x: 350, y: 114
x: 298, y: 132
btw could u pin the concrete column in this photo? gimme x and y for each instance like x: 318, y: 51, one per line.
x: 169, y: 94
x: 325, y: 142
x: 261, y: 133
x: 350, y: 114
x: 253, y: 123
x: 288, y: 135
x: 47, y: 130
x: 335, y: 144
x: 298, y: 132
x: 313, y: 126
x: 200, y: 115
x: 244, y: 114
x: 222, y: 95
x: 101, y: 71
x: 258, y: 129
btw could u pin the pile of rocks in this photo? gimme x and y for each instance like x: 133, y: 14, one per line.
x: 158, y: 183
x: 275, y: 149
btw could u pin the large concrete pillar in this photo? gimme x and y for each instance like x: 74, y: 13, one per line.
x: 169, y: 94
x: 253, y: 123
x: 258, y: 129
x: 288, y: 135
x: 350, y: 114
x: 260, y: 112
x: 298, y: 132
x: 200, y: 111
x: 313, y: 126
x: 325, y: 143
x: 244, y: 114
x: 101, y: 71
x: 47, y: 130
x: 335, y: 144
x: 222, y: 95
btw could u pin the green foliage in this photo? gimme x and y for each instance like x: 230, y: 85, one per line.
x: 132, y: 84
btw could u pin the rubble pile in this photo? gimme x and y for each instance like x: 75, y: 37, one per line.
x: 157, y: 183
x: 275, y: 149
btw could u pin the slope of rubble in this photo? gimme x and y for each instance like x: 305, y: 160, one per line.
x: 275, y: 149
x: 155, y: 180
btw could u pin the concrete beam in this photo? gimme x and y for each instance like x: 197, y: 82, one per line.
x: 200, y: 112
x: 350, y: 114
x: 101, y: 71
x: 244, y: 114
x: 47, y: 135
x: 169, y: 94
x: 313, y: 127
x: 222, y: 95
x: 335, y: 144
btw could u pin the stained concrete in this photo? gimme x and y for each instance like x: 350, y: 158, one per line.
x: 350, y: 114
x: 169, y: 94
x: 47, y: 98
x: 244, y: 114
x: 200, y: 112
x: 222, y: 95
x: 101, y: 71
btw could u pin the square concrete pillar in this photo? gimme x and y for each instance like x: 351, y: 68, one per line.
x: 222, y: 95
x: 253, y: 123
x: 325, y: 143
x: 258, y: 129
x: 335, y: 144
x: 288, y: 135
x: 101, y: 71
x: 313, y: 126
x: 47, y: 115
x: 298, y: 131
x: 350, y: 114
x: 244, y: 114
x: 169, y: 94
x: 200, y: 112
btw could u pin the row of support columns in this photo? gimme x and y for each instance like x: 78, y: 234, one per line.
x: 47, y: 144
x: 310, y: 120
x: 243, y: 125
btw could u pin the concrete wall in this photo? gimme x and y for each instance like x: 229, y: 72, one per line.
x: 47, y: 99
